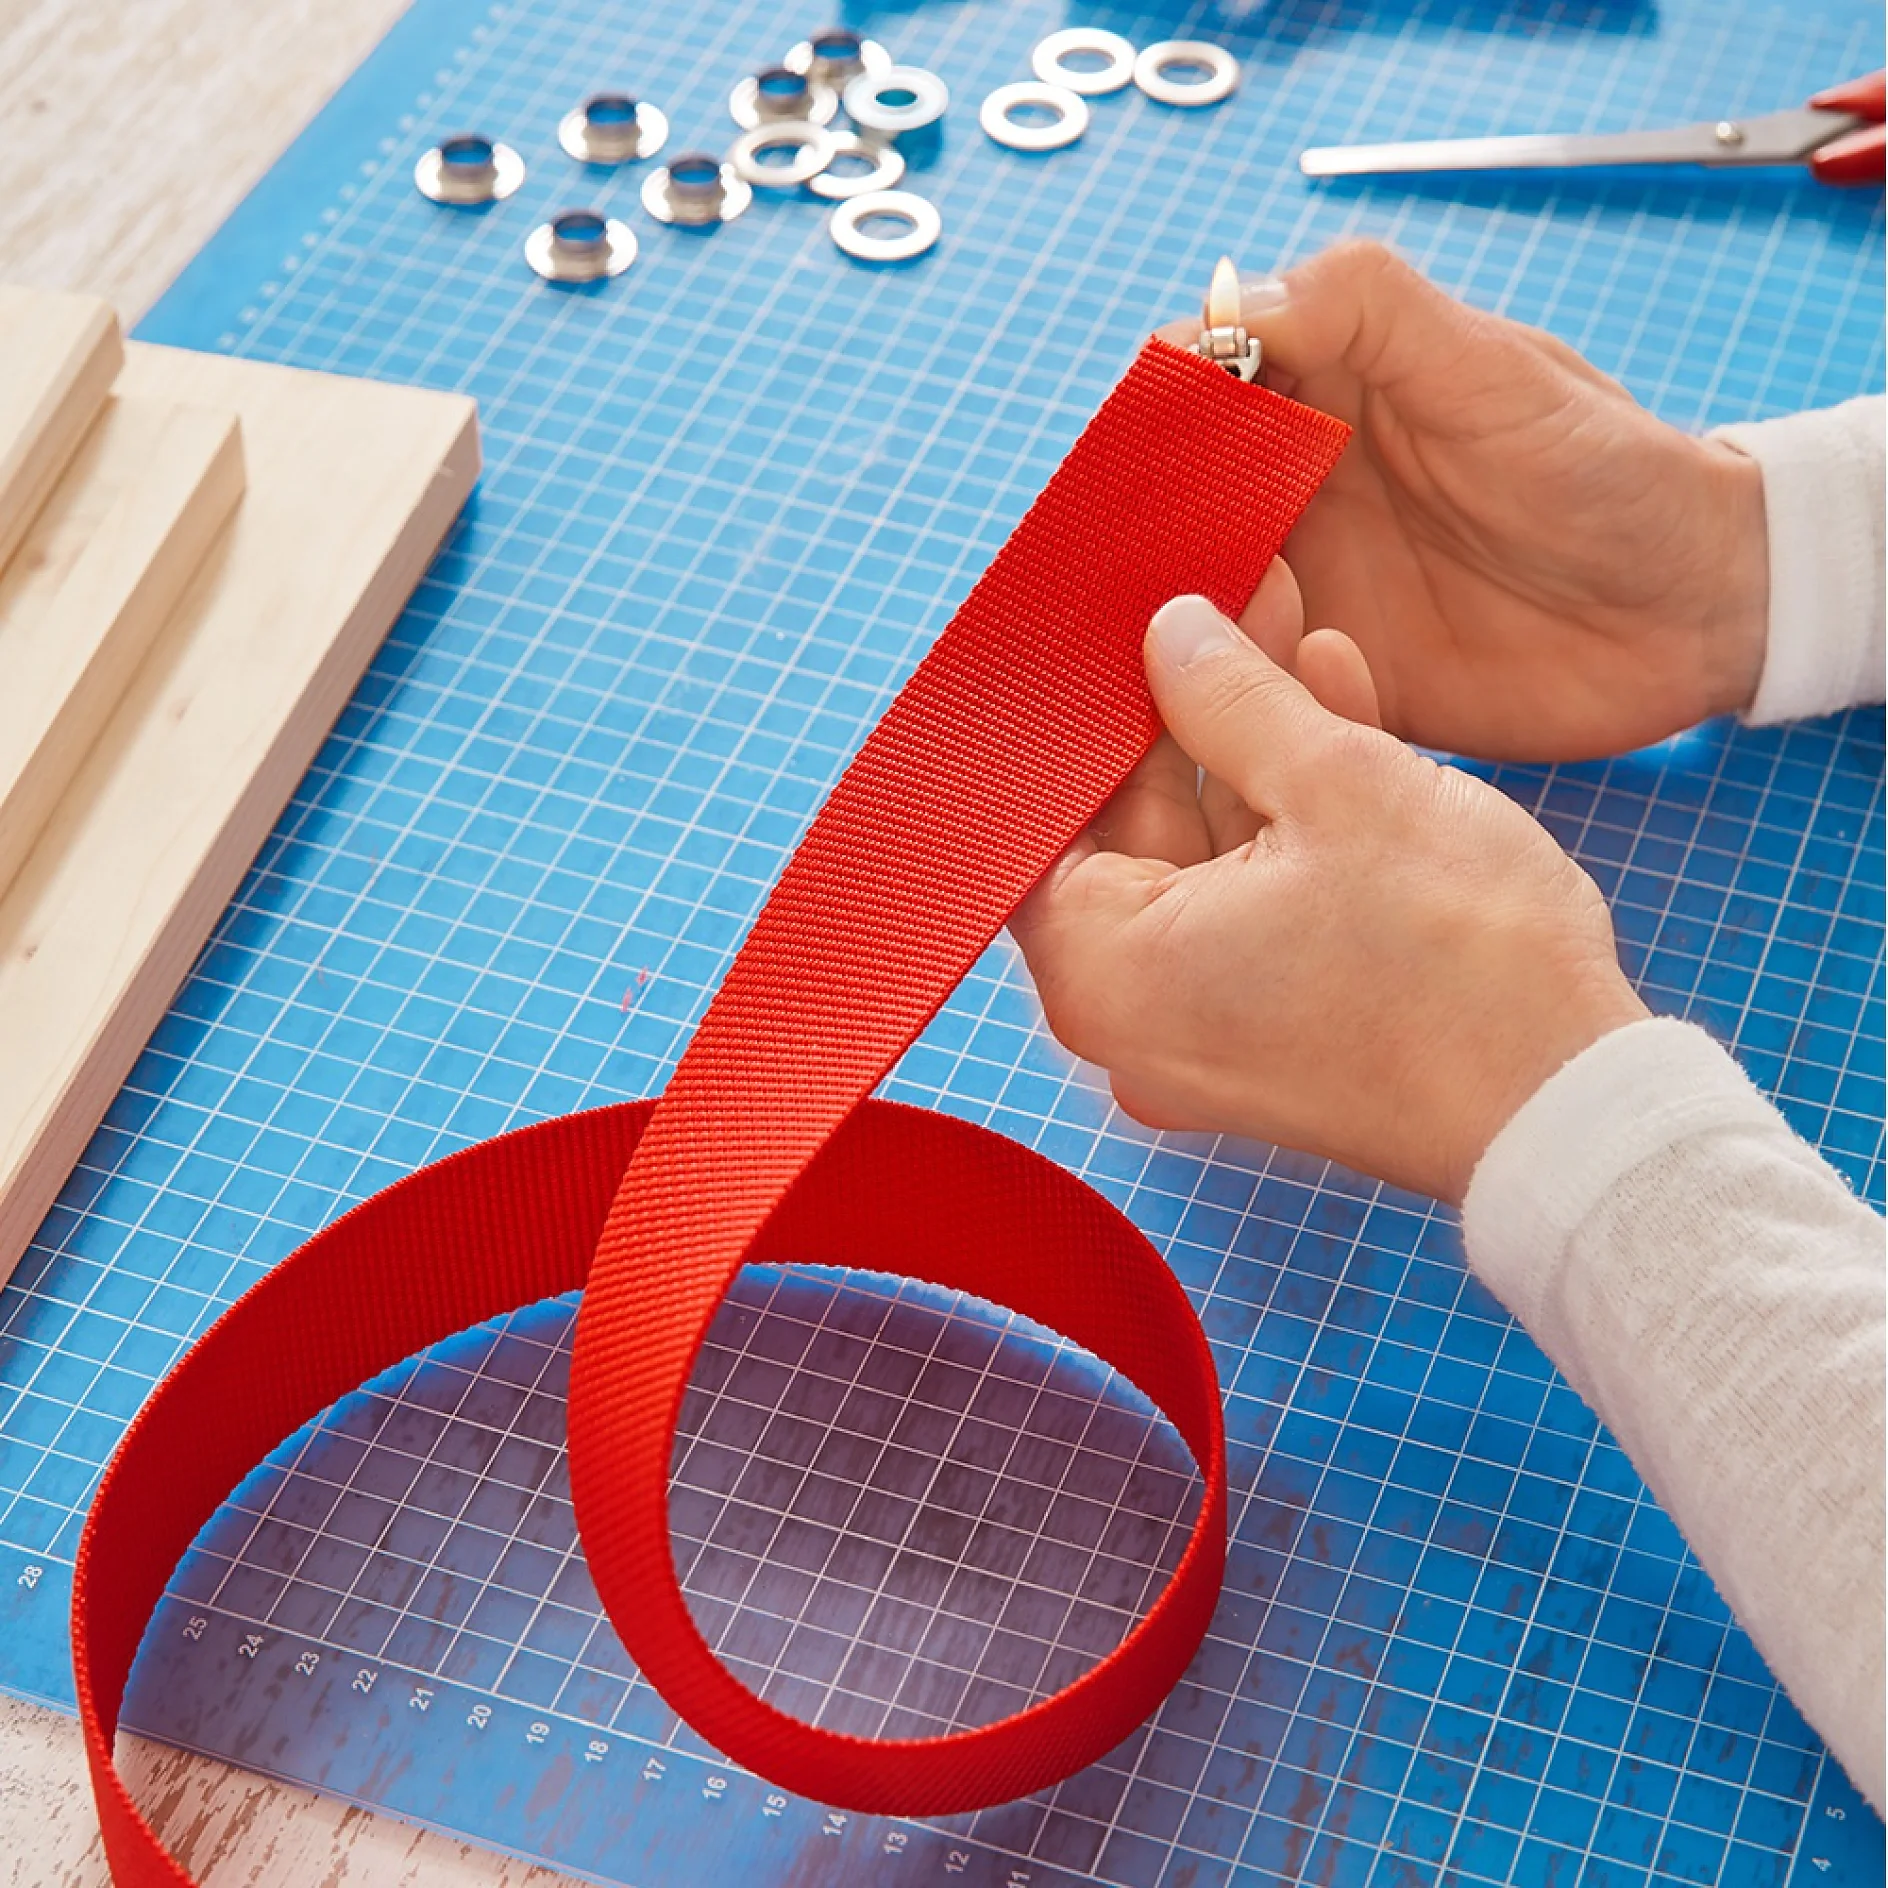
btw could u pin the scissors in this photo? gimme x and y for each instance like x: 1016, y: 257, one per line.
x: 1838, y: 134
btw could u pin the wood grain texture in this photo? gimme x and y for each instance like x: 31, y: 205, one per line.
x: 352, y: 484
x: 91, y: 584
x: 202, y: 94
x: 232, y: 1829
x: 58, y: 354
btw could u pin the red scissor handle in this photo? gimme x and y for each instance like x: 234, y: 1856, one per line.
x: 1857, y: 157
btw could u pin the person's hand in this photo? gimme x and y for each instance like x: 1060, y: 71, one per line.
x: 1535, y: 567
x: 1330, y: 941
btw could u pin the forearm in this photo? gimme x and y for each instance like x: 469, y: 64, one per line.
x: 1823, y: 500
x: 1717, y: 1295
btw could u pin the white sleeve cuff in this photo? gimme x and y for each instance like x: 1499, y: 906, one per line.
x: 1625, y: 1099
x: 1823, y: 500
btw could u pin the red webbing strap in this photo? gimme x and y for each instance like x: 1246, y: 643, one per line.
x: 1025, y: 716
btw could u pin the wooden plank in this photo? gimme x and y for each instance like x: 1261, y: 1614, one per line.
x: 352, y: 485
x: 58, y: 354
x: 92, y: 582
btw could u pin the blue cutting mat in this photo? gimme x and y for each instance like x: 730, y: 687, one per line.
x: 729, y: 499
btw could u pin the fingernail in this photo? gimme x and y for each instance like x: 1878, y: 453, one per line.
x: 1261, y: 295
x: 1188, y: 629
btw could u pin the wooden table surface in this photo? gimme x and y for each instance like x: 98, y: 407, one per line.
x: 128, y: 130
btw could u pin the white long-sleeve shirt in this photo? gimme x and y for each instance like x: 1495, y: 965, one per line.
x: 1698, y: 1273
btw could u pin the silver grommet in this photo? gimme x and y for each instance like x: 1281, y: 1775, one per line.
x: 778, y: 96
x: 612, y: 128
x: 813, y: 143
x: 837, y: 54
x: 887, y: 161
x: 580, y: 246
x: 918, y: 214
x: 1152, y: 67
x: 896, y: 102
x: 1050, y: 61
x: 695, y: 190
x: 1068, y: 124
x: 469, y: 169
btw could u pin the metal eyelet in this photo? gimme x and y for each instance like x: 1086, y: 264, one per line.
x: 779, y: 96
x: 837, y: 54
x: 468, y: 169
x: 580, y: 246
x: 612, y: 128
x: 695, y: 191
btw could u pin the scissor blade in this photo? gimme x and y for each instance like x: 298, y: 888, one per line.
x: 1781, y: 137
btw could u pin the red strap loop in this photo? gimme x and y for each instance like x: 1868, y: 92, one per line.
x: 1028, y: 712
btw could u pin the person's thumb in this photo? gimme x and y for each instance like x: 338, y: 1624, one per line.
x: 1359, y: 306
x: 1235, y: 711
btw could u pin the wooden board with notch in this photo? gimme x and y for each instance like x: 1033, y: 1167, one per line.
x: 95, y: 577
x: 242, y: 656
x: 58, y: 356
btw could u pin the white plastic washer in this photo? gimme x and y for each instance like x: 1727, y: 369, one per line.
x: 815, y: 145
x: 926, y: 226
x: 613, y: 139
x: 865, y: 101
x: 580, y: 246
x: 1068, y: 124
x: 1222, y: 72
x: 806, y: 55
x: 445, y: 175
x: 1049, y: 62
x: 734, y: 197
x: 887, y: 161
x: 821, y: 102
